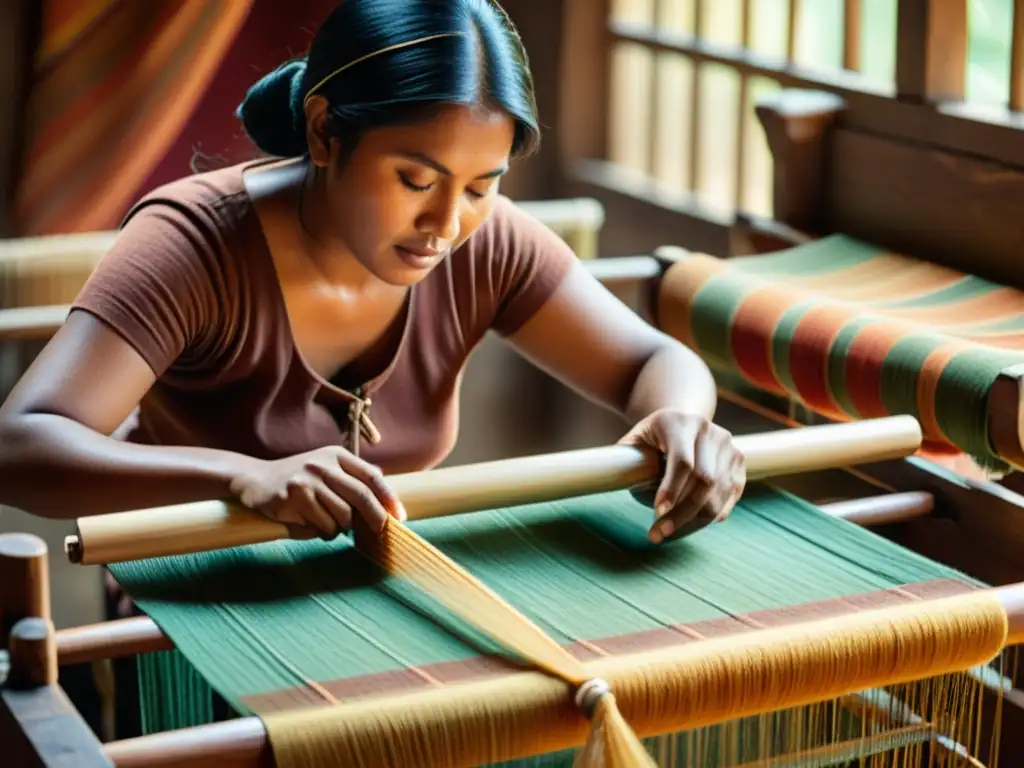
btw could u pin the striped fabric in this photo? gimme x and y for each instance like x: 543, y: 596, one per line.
x: 853, y: 331
x: 114, y: 82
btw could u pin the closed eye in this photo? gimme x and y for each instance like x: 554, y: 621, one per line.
x: 427, y: 187
x: 415, y: 187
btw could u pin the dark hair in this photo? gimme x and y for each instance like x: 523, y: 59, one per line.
x: 473, y: 56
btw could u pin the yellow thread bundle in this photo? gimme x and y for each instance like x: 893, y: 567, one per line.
x: 401, y: 551
x: 676, y: 688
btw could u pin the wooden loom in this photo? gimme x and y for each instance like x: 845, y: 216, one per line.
x: 915, y: 491
x: 38, y: 722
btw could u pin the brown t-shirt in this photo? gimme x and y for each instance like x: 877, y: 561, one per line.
x: 190, y: 283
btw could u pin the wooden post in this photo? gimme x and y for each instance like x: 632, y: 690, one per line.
x: 795, y: 124
x: 24, y: 581
x: 33, y: 654
x: 39, y: 726
x: 931, y: 50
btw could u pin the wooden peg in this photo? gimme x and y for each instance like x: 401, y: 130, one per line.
x: 33, y: 654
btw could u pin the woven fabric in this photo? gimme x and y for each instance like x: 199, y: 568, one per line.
x: 856, y: 332
x: 113, y: 84
x: 267, y: 625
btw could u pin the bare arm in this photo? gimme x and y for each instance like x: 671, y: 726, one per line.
x: 592, y: 342
x: 57, y: 458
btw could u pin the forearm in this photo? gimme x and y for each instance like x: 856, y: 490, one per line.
x: 673, y: 377
x: 55, y: 467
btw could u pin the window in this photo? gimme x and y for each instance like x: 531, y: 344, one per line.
x: 686, y: 74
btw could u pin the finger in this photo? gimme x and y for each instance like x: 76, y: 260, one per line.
x: 728, y: 492
x: 373, y: 478
x: 339, y: 510
x: 361, y: 499
x: 678, y: 480
x: 304, y: 502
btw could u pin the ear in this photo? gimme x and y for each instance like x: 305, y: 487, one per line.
x: 317, y: 137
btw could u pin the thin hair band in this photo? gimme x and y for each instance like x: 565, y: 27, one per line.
x: 312, y: 91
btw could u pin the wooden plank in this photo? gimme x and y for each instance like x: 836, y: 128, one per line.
x: 797, y: 127
x: 931, y: 54
x: 639, y: 217
x: 585, y: 74
x: 956, y: 210
x: 40, y: 727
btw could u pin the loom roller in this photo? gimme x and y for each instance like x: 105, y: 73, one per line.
x: 204, y: 526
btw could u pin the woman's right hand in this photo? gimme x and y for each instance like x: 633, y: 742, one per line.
x: 318, y: 493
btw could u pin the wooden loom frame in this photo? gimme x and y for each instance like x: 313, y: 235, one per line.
x: 43, y: 728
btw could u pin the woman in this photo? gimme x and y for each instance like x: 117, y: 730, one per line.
x: 287, y: 332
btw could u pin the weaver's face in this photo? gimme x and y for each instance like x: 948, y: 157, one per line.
x: 408, y: 196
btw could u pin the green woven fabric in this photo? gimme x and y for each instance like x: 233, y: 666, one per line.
x: 258, y: 619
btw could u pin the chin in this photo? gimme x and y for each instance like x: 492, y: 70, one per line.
x: 401, y: 267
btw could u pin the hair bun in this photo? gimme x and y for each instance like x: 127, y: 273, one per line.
x: 272, y: 111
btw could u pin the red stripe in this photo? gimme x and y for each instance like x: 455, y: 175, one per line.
x: 864, y: 361
x: 752, y: 331
x: 809, y: 354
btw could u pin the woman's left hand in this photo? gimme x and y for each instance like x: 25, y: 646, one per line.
x: 704, y: 472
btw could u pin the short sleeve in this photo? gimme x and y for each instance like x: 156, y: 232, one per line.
x: 525, y: 264
x: 154, y: 286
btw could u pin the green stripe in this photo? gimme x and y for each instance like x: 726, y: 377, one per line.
x: 782, y: 342
x: 964, y: 289
x: 1006, y: 325
x: 838, y: 355
x: 901, y: 371
x: 830, y: 254
x: 961, y: 401
x: 711, y: 315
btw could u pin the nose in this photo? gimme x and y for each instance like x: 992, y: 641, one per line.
x: 441, y: 218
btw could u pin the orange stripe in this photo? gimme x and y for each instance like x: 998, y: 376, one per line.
x: 64, y: 21
x: 883, y: 278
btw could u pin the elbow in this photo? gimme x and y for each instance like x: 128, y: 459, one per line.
x: 22, y: 470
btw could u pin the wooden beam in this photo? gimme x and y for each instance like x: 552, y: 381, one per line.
x: 796, y: 124
x: 41, y: 727
x: 931, y: 51
x: 585, y: 76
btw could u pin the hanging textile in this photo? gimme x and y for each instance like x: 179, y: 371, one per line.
x: 113, y: 83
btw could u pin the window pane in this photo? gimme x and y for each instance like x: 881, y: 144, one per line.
x: 639, y: 11
x: 878, y: 41
x: 988, y: 51
x: 630, y: 107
